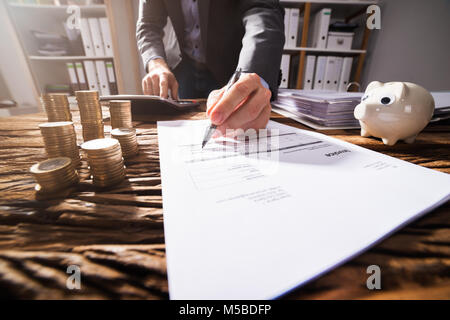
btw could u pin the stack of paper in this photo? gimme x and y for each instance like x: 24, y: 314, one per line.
x: 51, y: 44
x: 442, y: 105
x: 319, y: 109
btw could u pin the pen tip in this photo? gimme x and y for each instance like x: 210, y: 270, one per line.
x: 203, y: 144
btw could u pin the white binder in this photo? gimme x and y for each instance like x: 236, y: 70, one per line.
x: 91, y: 75
x: 308, y: 77
x: 320, y: 28
x: 81, y: 78
x: 106, y: 35
x: 111, y: 77
x: 287, y: 13
x: 319, y: 73
x: 285, y: 61
x: 332, y: 73
x: 102, y: 77
x: 72, y: 76
x: 293, y: 27
x: 345, y: 73
x: 86, y: 38
x: 97, y: 40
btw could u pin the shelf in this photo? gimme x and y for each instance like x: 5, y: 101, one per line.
x: 96, y: 8
x: 353, y: 2
x: 298, y: 49
x: 67, y: 58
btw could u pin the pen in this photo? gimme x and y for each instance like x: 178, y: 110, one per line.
x: 212, y: 127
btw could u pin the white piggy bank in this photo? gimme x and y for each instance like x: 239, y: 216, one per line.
x: 394, y: 111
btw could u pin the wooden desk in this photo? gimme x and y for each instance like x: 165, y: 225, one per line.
x: 117, y: 238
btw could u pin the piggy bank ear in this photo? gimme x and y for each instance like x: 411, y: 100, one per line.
x: 399, y: 89
x: 374, y: 85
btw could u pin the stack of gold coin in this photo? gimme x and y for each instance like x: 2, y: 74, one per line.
x: 105, y: 161
x: 120, y: 111
x: 90, y: 114
x: 60, y: 140
x: 128, y: 141
x: 54, y: 174
x: 56, y: 106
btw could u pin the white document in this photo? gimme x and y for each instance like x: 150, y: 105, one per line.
x: 91, y: 75
x: 81, y: 78
x: 106, y: 35
x: 320, y: 28
x: 287, y: 13
x: 102, y: 78
x: 293, y: 27
x: 345, y: 73
x: 244, y: 223
x: 308, y: 77
x: 86, y: 38
x: 97, y: 40
x: 285, y: 62
x: 332, y: 73
x: 320, y: 72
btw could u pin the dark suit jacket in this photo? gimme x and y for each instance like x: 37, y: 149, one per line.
x: 247, y: 34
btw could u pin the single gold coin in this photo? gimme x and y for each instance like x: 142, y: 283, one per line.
x: 50, y: 165
x: 99, y: 144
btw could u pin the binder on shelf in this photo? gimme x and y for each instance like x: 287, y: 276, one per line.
x: 91, y: 75
x: 299, y: 31
x: 106, y: 35
x: 72, y: 76
x: 285, y: 61
x: 320, y: 72
x: 287, y: 13
x: 86, y: 38
x: 293, y: 70
x: 293, y: 27
x: 96, y: 34
x: 111, y: 77
x: 102, y: 77
x: 308, y: 76
x: 332, y: 73
x: 81, y: 77
x: 345, y: 73
x: 320, y: 28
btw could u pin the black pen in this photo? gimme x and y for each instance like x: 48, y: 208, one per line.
x: 212, y: 127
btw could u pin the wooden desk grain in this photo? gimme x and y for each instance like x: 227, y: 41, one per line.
x: 116, y: 236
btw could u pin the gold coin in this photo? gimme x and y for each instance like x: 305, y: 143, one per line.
x: 51, y: 165
x: 99, y: 144
x: 56, y: 125
x: 123, y: 131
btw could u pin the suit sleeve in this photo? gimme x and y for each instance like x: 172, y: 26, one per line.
x: 149, y: 30
x: 263, y: 41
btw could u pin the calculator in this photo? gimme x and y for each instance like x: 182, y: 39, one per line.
x: 148, y: 104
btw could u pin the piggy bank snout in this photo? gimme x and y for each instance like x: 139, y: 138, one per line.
x: 360, y: 111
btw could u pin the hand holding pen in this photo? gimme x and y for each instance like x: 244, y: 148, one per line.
x: 245, y: 105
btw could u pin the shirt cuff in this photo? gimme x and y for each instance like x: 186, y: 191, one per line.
x: 152, y: 58
x: 263, y: 82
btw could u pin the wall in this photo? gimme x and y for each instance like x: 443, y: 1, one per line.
x: 412, y: 45
x: 13, y: 65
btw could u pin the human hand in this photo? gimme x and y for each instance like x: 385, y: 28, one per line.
x: 245, y: 105
x: 159, y: 80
